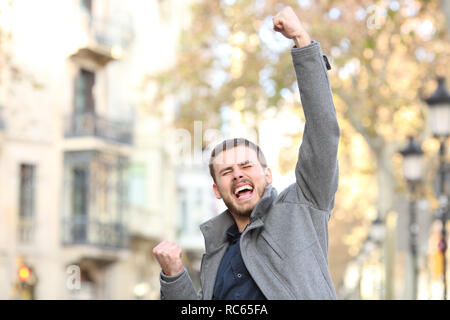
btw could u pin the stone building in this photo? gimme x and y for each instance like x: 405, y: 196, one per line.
x: 87, y: 185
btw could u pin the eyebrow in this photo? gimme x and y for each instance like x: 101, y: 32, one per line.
x: 230, y: 167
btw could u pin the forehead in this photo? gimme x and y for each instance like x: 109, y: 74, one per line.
x: 236, y: 155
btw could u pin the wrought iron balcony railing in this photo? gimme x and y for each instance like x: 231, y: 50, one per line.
x: 84, y: 231
x: 90, y: 124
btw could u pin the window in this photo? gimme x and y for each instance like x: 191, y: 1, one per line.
x: 79, y: 204
x: 26, y: 203
x: 184, y: 214
x: 79, y: 195
x: 84, y: 98
x: 2, y: 121
x: 137, y: 192
x: 87, y: 5
x: 27, y: 191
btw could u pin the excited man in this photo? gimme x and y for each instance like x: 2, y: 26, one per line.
x: 270, y: 246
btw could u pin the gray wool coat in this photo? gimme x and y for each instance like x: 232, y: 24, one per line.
x: 285, y: 245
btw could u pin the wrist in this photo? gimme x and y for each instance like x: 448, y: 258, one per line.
x: 169, y: 279
x: 172, y: 272
x: 302, y: 40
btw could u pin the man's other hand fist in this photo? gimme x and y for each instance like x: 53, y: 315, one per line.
x: 169, y: 255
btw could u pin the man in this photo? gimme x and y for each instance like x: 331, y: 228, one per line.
x: 269, y: 246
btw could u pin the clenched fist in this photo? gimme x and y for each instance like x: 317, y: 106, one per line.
x: 290, y: 26
x: 169, y: 255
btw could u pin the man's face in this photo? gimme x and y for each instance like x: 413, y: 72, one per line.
x: 240, y: 179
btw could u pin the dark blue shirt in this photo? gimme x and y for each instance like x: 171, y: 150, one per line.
x: 233, y: 282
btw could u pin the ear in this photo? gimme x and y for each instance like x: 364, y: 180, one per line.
x: 216, y: 191
x: 268, y: 174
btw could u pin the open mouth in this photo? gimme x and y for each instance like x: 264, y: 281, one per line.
x: 243, y: 192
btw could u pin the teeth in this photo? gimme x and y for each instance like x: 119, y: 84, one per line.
x: 246, y: 187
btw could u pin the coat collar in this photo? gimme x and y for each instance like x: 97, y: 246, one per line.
x: 215, y: 230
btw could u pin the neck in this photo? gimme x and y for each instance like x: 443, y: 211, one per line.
x: 241, y: 221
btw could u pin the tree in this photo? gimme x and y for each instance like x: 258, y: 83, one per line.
x: 10, y: 71
x: 382, y: 66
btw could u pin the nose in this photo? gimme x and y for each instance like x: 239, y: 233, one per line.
x: 237, y: 174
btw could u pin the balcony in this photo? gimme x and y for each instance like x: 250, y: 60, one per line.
x: 91, y: 125
x: 103, y: 38
x: 93, y: 232
x: 94, y: 201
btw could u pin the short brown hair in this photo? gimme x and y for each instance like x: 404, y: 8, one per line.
x: 233, y: 143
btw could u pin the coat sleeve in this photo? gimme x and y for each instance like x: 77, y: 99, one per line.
x: 317, y: 169
x: 179, y: 287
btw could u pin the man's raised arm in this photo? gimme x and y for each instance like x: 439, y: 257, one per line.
x: 317, y: 167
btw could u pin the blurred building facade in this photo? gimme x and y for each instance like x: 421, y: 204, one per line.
x: 88, y: 184
x: 196, y: 204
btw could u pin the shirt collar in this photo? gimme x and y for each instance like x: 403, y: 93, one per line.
x: 233, y: 233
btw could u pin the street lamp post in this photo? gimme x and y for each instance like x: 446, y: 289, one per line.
x: 412, y: 171
x: 378, y: 230
x: 378, y: 234
x: 439, y: 117
x: 443, y: 215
